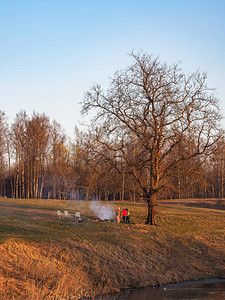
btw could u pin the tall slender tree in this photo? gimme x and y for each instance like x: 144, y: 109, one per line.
x: 3, y: 151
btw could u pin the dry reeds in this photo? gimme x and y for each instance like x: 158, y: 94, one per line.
x: 28, y: 271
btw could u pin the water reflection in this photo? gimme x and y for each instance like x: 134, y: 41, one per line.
x: 211, y: 289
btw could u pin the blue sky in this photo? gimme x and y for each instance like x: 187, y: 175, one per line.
x: 52, y: 51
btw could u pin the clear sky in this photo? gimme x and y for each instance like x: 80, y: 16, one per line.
x: 52, y: 51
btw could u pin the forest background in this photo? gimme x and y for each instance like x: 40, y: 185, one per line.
x: 37, y: 160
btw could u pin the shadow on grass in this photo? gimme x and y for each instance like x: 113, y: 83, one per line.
x: 220, y: 205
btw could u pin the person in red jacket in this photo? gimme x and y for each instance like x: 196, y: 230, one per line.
x: 124, y: 215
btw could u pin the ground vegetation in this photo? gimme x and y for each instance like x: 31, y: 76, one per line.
x: 46, y: 257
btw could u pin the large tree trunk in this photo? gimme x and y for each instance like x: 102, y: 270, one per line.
x: 151, y: 217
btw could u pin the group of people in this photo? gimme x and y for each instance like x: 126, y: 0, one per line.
x: 125, y: 214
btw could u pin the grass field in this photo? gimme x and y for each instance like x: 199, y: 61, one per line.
x: 44, y: 257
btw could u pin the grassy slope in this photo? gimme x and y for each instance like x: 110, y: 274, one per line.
x: 43, y: 257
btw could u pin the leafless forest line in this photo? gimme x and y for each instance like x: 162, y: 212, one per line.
x: 38, y: 161
x: 156, y: 133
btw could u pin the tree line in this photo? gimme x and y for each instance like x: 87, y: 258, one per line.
x: 156, y: 133
x: 38, y: 161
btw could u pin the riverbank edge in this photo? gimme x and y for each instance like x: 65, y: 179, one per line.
x: 190, y: 282
x: 166, y: 286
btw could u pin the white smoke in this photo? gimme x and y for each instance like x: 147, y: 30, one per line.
x: 102, y: 211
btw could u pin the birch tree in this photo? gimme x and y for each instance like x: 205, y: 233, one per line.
x: 38, y: 140
x: 3, y: 150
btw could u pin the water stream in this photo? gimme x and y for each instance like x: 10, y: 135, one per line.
x: 212, y: 289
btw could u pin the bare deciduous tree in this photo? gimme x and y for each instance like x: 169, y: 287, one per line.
x: 30, y: 140
x: 3, y: 151
x: 157, y: 109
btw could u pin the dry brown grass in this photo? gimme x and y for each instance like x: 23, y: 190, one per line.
x: 43, y: 257
x: 36, y: 272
